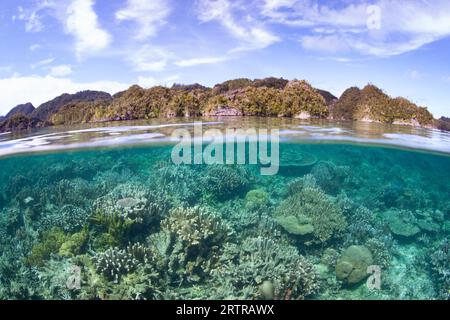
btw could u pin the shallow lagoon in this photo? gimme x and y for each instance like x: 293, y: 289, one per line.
x: 102, y: 213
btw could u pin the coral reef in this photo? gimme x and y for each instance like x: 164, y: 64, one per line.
x: 263, y: 268
x: 189, y: 243
x: 311, y: 213
x: 225, y: 181
x: 135, y: 226
x: 115, y: 263
x: 440, y: 268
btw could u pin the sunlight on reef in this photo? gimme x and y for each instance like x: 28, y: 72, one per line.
x: 126, y: 223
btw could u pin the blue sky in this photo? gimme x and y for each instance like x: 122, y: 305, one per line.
x: 48, y: 47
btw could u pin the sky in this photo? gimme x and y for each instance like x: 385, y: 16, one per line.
x: 50, y: 47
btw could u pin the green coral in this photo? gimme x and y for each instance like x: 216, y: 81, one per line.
x: 49, y: 244
x: 256, y: 199
x: 75, y: 244
x: 113, y: 226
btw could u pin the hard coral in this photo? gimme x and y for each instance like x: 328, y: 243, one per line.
x: 311, y: 212
x: 189, y: 242
x: 263, y: 268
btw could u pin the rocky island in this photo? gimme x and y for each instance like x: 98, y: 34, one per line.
x: 269, y: 97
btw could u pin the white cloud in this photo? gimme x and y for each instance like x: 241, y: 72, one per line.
x: 32, y: 18
x: 252, y: 34
x: 61, y: 71
x: 149, y: 58
x: 78, y: 18
x: 199, y: 61
x: 34, y: 47
x: 37, y: 90
x: 42, y: 63
x: 148, y: 15
x: 403, y: 25
x: 82, y: 23
x: 324, y: 43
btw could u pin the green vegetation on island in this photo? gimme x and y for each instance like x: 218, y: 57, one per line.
x: 269, y: 97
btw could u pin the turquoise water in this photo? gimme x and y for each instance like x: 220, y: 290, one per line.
x: 126, y: 223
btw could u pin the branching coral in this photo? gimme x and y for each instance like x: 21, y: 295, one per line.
x: 69, y: 218
x: 179, y: 181
x: 263, y: 268
x: 115, y: 263
x: 53, y: 280
x: 189, y: 242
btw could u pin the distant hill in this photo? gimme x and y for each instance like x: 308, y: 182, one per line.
x: 328, y: 96
x: 45, y: 110
x: 24, y: 109
x: 443, y: 124
x: 268, y: 97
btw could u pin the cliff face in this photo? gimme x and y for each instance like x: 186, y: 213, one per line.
x: 24, y: 109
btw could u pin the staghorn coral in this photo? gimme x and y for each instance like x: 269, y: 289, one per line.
x: 17, y: 281
x: 297, y: 185
x: 143, y: 284
x: 248, y: 223
x: 263, y: 268
x: 313, y: 214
